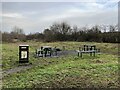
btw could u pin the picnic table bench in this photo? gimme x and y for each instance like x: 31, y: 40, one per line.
x: 45, y: 51
x: 91, y: 49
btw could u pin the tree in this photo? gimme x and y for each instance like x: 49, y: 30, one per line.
x: 6, y: 37
x: 75, y: 33
x: 61, y: 30
x: 112, y: 28
x: 65, y: 28
x: 18, y: 33
x: 48, y: 35
x: 17, y: 30
x: 35, y: 36
x: 64, y: 32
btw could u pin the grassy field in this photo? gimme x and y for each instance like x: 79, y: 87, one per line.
x: 65, y: 71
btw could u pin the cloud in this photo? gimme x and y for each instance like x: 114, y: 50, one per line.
x: 59, y: 0
x: 12, y: 15
x: 35, y: 17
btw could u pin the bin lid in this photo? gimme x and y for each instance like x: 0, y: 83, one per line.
x: 23, y: 45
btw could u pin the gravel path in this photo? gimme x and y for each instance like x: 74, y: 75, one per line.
x: 16, y: 69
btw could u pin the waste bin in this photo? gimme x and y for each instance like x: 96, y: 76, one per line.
x: 23, y: 53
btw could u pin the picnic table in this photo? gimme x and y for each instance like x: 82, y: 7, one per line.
x: 91, y: 49
x: 45, y: 51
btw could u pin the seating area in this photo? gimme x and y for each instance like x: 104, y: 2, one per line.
x: 45, y: 51
x: 48, y: 51
x: 91, y: 49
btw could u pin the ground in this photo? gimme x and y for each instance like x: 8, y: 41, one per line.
x: 66, y: 71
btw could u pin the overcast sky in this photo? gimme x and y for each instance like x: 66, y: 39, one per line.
x: 36, y: 16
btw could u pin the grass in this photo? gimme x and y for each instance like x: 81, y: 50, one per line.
x: 10, y: 51
x: 71, y: 71
x: 62, y: 71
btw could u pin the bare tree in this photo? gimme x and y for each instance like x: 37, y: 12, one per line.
x: 17, y: 30
x: 112, y: 28
x: 62, y: 28
x: 18, y: 33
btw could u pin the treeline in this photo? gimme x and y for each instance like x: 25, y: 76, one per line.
x: 16, y: 35
x: 64, y: 32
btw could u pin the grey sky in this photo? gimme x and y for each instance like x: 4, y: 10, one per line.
x: 36, y: 16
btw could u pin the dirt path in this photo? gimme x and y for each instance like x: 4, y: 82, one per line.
x: 16, y: 69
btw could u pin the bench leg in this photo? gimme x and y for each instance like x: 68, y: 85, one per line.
x: 90, y: 53
x: 45, y: 54
x: 50, y: 53
x: 94, y: 54
x: 80, y: 54
x: 56, y: 53
x: 40, y: 53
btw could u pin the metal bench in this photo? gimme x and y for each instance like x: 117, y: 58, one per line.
x: 88, y: 49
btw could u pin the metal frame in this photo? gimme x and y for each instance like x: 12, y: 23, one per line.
x: 45, y: 51
x: 88, y: 49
